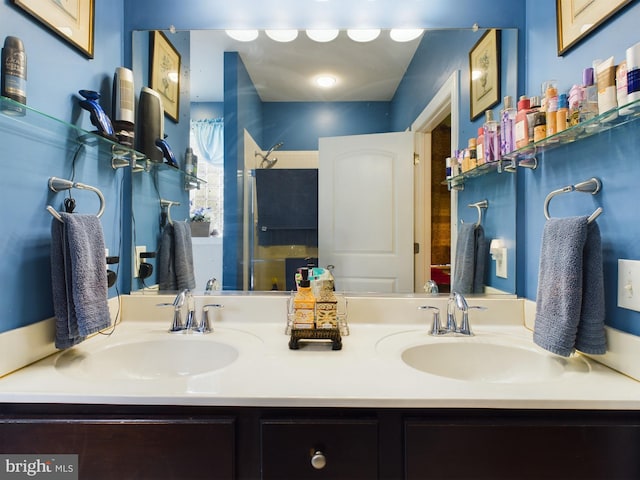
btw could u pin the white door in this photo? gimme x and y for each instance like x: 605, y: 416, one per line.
x: 365, y: 211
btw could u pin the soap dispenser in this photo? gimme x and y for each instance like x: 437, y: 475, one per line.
x: 304, y: 303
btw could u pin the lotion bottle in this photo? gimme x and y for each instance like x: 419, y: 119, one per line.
x: 480, y: 147
x: 507, y: 127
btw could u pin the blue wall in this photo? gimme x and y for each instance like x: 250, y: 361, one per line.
x: 300, y: 124
x: 56, y: 71
x: 612, y: 157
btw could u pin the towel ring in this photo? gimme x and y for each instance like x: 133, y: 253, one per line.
x: 60, y: 184
x: 168, y: 204
x: 479, y: 206
x: 592, y: 186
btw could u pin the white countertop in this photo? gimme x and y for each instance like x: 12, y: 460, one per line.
x: 367, y: 372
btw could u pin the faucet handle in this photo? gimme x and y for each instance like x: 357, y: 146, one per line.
x: 436, y: 328
x: 205, y: 324
x: 465, y: 327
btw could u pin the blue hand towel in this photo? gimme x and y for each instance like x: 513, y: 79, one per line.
x: 166, y: 267
x: 591, y: 337
x: 471, y: 258
x: 183, y: 256
x: 79, y: 279
x: 570, y: 288
x: 175, y: 258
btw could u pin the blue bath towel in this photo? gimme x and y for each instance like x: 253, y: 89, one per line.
x: 175, y: 258
x: 570, y: 296
x: 79, y: 278
x: 471, y: 259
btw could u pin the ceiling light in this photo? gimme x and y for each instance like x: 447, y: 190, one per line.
x: 364, y: 34
x: 243, y: 35
x: 405, y: 34
x: 282, y: 35
x: 325, y: 81
x: 325, y: 35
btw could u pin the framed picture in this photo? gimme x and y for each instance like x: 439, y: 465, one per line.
x: 484, y: 73
x: 165, y: 73
x: 576, y: 19
x: 73, y: 20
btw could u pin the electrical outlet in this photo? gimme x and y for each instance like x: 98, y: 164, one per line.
x: 139, y: 249
x: 629, y: 284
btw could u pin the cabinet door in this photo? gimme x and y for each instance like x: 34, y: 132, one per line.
x: 339, y: 449
x: 523, y: 451
x: 126, y: 448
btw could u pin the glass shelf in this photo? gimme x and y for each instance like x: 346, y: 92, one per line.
x: 526, y: 156
x: 23, y: 120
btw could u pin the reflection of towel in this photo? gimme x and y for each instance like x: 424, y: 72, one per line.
x: 570, y: 298
x: 175, y: 259
x: 471, y: 259
x: 79, y: 278
x: 287, y: 203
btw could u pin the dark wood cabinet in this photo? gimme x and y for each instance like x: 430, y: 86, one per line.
x: 154, y: 449
x: 309, y: 449
x: 163, y: 442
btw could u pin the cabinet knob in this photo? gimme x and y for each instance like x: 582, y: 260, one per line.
x: 318, y: 460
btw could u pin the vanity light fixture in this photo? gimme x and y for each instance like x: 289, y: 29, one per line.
x: 282, y: 35
x: 325, y: 81
x: 323, y: 35
x: 243, y: 35
x: 363, y: 34
x: 405, y: 34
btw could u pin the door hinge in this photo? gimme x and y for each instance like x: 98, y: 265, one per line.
x: 416, y: 159
x: 416, y: 248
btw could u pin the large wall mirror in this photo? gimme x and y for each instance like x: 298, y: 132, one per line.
x: 275, y: 121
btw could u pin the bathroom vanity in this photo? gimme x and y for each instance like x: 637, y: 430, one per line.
x: 255, y: 409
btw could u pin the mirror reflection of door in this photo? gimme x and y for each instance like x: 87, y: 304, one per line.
x: 365, y: 211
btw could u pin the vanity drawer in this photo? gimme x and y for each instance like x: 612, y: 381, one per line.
x: 339, y: 449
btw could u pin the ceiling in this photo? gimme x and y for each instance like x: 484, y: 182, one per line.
x: 285, y: 71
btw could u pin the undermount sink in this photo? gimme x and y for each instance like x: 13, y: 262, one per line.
x: 170, y: 357
x: 489, y: 362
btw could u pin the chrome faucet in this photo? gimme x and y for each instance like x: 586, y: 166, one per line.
x: 205, y: 324
x: 212, y: 284
x: 436, y: 328
x: 452, y: 324
x: 191, y: 323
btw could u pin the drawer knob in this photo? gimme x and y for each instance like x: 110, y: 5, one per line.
x: 318, y: 460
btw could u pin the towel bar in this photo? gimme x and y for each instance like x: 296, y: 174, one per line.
x: 592, y: 186
x: 168, y: 204
x: 479, y: 206
x: 59, y: 184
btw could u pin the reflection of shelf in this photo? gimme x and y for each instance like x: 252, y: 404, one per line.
x: 457, y: 182
x: 526, y: 156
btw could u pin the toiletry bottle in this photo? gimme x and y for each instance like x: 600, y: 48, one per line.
x: 551, y: 106
x: 562, y: 115
x: 540, y: 126
x: 621, y: 87
x: 507, y: 127
x: 534, y: 108
x: 470, y: 157
x: 448, y: 168
x: 589, y: 101
x: 491, y: 138
x: 633, y: 72
x: 522, y: 127
x: 480, y: 147
x: 14, y: 74
x: 188, y: 161
x: 304, y: 303
x: 326, y: 306
x: 465, y: 160
x: 606, y: 83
